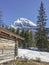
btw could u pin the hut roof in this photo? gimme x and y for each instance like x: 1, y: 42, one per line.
x: 7, y: 34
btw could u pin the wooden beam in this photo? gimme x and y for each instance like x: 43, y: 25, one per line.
x: 10, y: 34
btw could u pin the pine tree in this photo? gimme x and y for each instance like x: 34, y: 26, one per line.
x: 22, y: 33
x: 31, y: 38
x: 27, y: 38
x: 41, y: 38
x: 17, y: 31
x: 12, y: 29
x: 22, y: 42
x: 1, y: 21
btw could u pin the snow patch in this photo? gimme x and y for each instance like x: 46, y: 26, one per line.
x: 31, y: 54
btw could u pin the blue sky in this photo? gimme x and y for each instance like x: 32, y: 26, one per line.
x: 14, y: 9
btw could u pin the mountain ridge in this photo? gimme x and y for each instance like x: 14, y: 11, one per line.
x: 23, y: 23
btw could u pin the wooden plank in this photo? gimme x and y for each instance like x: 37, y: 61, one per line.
x: 2, y: 30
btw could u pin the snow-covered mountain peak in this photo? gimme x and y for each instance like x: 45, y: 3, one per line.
x: 23, y: 23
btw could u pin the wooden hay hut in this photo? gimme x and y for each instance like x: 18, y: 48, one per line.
x: 8, y: 45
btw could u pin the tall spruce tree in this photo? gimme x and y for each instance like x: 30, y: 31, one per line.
x: 41, y: 38
x: 31, y: 38
x: 27, y: 38
x: 17, y: 31
x: 1, y: 21
x: 22, y: 42
x: 12, y: 29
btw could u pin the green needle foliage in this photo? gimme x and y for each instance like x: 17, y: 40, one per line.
x: 41, y: 35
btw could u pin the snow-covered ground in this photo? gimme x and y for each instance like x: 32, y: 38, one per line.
x: 35, y: 55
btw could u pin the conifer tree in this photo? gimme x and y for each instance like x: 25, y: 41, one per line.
x: 41, y: 38
x: 12, y: 29
x: 22, y: 42
x: 27, y: 37
x: 1, y: 21
x: 31, y: 38
x: 17, y: 31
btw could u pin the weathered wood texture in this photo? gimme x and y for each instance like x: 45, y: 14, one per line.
x: 8, y: 45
